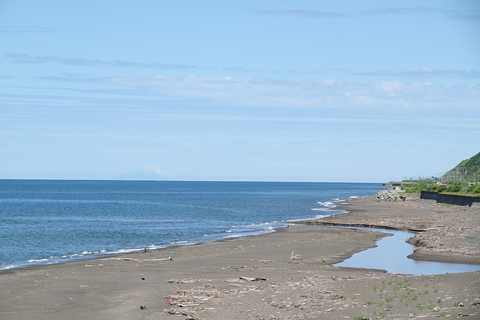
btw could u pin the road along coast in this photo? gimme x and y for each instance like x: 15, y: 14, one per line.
x: 287, y: 274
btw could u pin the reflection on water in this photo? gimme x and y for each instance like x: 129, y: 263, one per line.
x: 391, y: 255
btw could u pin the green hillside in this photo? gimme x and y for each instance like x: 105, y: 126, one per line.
x: 468, y: 169
x: 473, y: 161
x: 464, y: 179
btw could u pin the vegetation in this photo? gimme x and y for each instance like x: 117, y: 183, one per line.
x: 466, y: 168
x: 419, y: 301
x: 452, y: 187
x: 464, y: 179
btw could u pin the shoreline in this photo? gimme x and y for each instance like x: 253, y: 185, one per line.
x: 126, y: 251
x: 285, y: 274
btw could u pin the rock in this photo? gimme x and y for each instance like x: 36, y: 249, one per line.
x: 389, y: 195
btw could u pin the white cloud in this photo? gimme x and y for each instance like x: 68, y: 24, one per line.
x: 22, y: 58
x: 227, y: 91
x: 472, y: 15
x: 25, y: 58
x: 424, y: 72
x: 328, y: 93
x: 445, y: 13
x: 331, y: 81
x: 404, y: 10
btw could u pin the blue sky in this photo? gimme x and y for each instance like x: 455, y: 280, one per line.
x: 358, y: 91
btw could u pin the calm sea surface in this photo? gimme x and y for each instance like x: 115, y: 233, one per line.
x: 51, y: 221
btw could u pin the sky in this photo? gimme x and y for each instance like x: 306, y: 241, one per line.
x: 309, y: 91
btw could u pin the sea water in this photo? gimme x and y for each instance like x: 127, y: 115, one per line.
x: 51, y: 221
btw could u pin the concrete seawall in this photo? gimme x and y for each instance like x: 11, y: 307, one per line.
x: 451, y: 199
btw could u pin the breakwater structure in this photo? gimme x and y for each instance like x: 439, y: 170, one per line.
x: 451, y: 199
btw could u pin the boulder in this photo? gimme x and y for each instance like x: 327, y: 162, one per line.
x: 389, y: 195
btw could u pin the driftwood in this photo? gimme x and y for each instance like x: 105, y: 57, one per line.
x: 313, y: 295
x: 296, y: 256
x: 253, y: 279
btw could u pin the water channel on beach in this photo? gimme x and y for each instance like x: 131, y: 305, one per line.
x: 391, y: 255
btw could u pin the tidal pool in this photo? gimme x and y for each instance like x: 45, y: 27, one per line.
x: 391, y: 255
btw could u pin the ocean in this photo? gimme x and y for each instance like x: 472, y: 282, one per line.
x: 52, y: 221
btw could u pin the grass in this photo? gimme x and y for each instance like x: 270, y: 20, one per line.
x: 422, y: 298
x: 447, y: 205
x: 420, y: 306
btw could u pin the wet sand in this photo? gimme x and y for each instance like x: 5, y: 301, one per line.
x: 287, y: 274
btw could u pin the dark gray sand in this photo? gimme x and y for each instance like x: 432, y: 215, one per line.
x: 283, y: 275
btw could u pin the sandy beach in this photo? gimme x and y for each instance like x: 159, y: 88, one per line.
x: 287, y: 274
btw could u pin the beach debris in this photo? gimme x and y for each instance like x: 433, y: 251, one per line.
x: 143, y: 307
x: 124, y: 259
x: 174, y: 311
x: 183, y: 305
x: 182, y: 313
x: 238, y: 268
x: 295, y: 256
x: 189, y: 280
x: 302, y: 295
x: 475, y: 302
x: 160, y: 259
x: 253, y: 279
